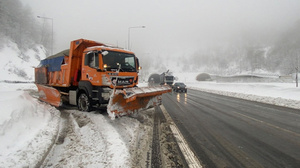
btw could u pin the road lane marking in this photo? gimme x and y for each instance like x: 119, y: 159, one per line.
x: 263, y: 122
x: 269, y: 124
x: 188, y: 154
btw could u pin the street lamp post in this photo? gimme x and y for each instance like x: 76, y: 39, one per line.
x: 52, y: 30
x: 129, y: 34
x: 297, y: 68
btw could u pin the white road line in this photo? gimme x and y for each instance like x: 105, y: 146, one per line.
x: 188, y: 154
x: 269, y: 124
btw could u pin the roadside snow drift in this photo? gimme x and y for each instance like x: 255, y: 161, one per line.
x: 35, y: 134
x: 280, y: 94
x: 27, y: 128
x: 92, y: 140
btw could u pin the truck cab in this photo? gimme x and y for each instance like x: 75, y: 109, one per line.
x: 104, y: 69
x: 104, y: 66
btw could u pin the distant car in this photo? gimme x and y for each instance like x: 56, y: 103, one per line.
x: 179, y: 86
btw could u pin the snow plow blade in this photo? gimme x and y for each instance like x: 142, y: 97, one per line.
x: 49, y: 95
x: 126, y: 101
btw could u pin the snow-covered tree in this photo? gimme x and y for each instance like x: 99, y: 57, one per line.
x: 18, y: 24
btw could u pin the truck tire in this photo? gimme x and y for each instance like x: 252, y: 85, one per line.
x: 84, y: 102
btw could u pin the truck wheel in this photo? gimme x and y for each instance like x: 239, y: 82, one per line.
x: 84, y: 103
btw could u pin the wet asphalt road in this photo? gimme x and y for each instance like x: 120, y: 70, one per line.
x: 230, y: 132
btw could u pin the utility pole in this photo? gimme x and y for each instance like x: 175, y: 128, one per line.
x: 42, y: 17
x: 297, y: 68
x: 297, y: 76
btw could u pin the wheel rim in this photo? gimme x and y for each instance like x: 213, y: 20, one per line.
x: 83, y: 102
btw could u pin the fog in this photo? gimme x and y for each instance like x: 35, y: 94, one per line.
x: 172, y: 26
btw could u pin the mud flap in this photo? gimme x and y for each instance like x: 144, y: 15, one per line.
x: 49, y: 95
x: 126, y: 101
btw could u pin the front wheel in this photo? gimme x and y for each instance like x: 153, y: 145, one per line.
x: 84, y: 103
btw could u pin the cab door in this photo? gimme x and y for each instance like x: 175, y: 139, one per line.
x: 90, y: 68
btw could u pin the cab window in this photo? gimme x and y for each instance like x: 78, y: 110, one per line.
x: 92, y: 60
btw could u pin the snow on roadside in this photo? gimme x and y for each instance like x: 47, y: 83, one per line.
x: 94, y: 140
x: 281, y: 94
x: 91, y: 142
x: 27, y: 127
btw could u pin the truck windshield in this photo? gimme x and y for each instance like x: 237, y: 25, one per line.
x: 113, y: 59
x: 169, y: 77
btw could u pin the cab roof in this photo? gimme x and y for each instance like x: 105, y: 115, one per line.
x: 109, y: 48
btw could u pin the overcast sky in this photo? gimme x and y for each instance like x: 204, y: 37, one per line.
x: 172, y: 26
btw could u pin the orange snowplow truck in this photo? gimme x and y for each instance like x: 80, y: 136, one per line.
x: 93, y: 75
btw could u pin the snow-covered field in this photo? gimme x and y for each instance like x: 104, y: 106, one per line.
x: 28, y: 127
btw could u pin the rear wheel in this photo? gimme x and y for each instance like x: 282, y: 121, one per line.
x: 84, y: 103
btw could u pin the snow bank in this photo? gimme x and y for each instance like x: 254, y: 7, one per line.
x: 94, y: 140
x: 27, y: 128
x: 281, y: 94
x: 91, y: 142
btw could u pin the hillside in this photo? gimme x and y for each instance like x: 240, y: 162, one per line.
x: 23, y: 41
x: 17, y: 65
